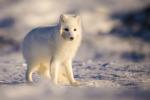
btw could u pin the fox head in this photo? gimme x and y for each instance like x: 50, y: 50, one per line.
x: 70, y: 27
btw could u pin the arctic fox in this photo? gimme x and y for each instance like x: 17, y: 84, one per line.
x: 50, y: 50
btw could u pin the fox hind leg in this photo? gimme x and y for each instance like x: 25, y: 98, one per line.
x: 44, y: 70
x: 31, y: 68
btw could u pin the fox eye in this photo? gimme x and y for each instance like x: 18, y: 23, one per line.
x: 66, y: 29
x: 75, y: 29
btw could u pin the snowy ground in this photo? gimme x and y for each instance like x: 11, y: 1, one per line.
x: 100, y: 80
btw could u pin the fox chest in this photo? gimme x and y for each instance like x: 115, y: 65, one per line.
x: 66, y: 51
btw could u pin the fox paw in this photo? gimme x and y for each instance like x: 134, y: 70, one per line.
x: 76, y: 83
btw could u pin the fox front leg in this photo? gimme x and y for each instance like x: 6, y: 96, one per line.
x: 70, y: 76
x: 55, y: 71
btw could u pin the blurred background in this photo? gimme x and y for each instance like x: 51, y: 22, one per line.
x: 113, y: 29
x: 115, y: 50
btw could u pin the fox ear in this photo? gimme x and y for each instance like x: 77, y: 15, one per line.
x: 62, y: 18
x: 78, y: 18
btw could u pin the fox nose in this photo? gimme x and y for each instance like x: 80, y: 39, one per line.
x: 71, y: 38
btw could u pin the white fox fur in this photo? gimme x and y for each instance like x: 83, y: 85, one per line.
x: 50, y: 50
